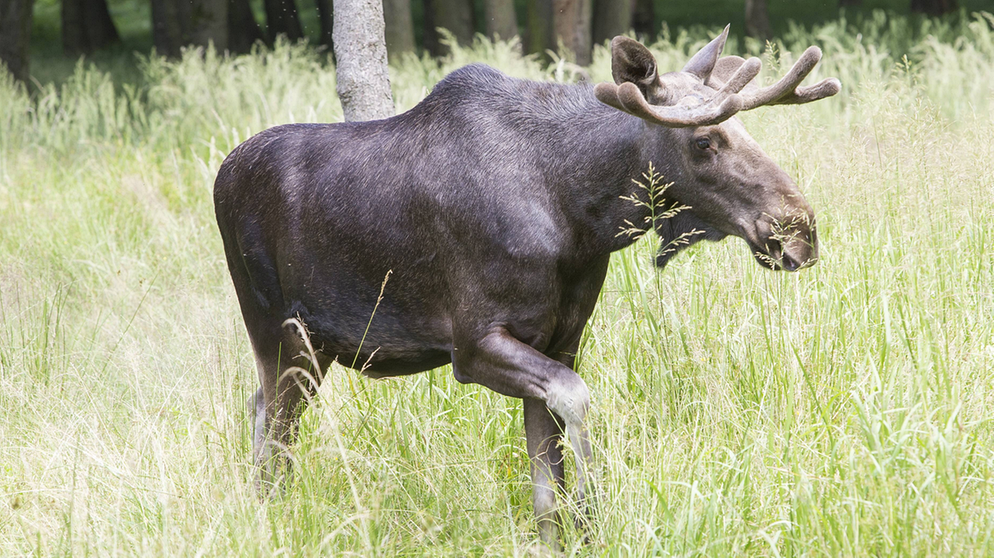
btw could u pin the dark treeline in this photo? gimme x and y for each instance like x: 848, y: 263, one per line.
x: 411, y: 25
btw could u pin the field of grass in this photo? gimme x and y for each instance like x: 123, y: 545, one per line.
x: 842, y: 410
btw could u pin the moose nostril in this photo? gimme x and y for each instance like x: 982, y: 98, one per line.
x: 789, y: 263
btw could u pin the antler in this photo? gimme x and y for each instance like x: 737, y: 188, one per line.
x: 785, y: 91
x: 720, y: 107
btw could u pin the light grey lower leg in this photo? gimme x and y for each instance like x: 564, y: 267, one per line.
x: 543, y: 433
x: 571, y: 401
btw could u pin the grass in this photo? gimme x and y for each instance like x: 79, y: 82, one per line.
x: 842, y: 410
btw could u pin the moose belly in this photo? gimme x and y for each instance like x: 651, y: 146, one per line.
x: 383, y: 343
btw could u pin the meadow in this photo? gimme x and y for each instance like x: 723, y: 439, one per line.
x: 839, y: 411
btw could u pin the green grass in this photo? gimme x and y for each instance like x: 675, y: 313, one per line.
x: 842, y: 410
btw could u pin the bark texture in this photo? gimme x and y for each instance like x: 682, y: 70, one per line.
x: 86, y: 26
x: 360, y: 49
x: 757, y: 19
x: 15, y: 36
x: 500, y: 19
x: 611, y: 18
x: 399, y: 27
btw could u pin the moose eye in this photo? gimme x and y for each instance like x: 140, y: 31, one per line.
x: 703, y: 143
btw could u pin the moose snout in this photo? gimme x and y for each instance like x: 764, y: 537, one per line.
x: 788, y: 243
x: 797, y: 240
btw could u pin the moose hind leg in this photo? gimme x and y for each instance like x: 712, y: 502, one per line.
x: 278, y: 405
x: 261, y: 451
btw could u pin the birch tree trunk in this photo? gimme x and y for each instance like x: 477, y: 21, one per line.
x: 361, y: 54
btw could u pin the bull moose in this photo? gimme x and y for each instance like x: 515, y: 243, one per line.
x: 494, y: 206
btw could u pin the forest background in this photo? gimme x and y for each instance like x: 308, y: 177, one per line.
x: 105, y: 29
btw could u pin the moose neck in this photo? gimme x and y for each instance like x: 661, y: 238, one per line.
x: 600, y: 154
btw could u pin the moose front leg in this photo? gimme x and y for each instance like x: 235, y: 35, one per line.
x: 510, y: 367
x: 543, y: 432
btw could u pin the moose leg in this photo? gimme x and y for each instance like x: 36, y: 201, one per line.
x: 260, y: 450
x: 543, y: 431
x: 277, y: 407
x: 510, y: 367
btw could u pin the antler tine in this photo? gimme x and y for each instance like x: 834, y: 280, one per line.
x: 628, y: 98
x: 787, y: 92
x: 607, y: 93
x: 742, y: 76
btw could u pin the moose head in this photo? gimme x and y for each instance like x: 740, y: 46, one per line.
x: 730, y: 185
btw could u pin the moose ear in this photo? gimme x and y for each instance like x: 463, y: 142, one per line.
x: 703, y: 62
x: 632, y: 62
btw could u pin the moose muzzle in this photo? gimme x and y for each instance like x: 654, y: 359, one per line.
x: 787, y: 242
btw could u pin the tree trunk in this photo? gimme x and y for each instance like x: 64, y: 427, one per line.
x: 429, y: 37
x: 539, y: 30
x: 167, y: 30
x: 361, y: 53
x: 571, y: 24
x: 86, y: 26
x: 327, y: 22
x: 243, y: 30
x: 282, y: 19
x: 501, y: 21
x: 15, y: 36
x: 644, y: 18
x: 934, y: 8
x: 177, y: 23
x: 456, y: 16
x: 399, y: 27
x: 209, y: 23
x: 757, y: 19
x: 611, y: 18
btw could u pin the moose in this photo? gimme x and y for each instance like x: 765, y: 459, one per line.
x: 493, y: 206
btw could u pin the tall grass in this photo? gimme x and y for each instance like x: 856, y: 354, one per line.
x: 843, y: 410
